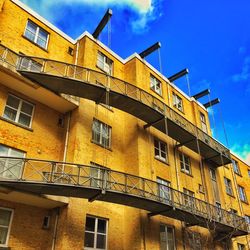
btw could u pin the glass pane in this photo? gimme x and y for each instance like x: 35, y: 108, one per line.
x: 41, y: 42
x: 90, y: 224
x: 31, y: 27
x: 3, y: 151
x: 24, y: 119
x: 10, y: 113
x: 101, y: 241
x: 101, y: 226
x: 13, y: 102
x: 5, y: 217
x: 43, y: 34
x: 89, y: 239
x: 30, y: 35
x: 27, y: 108
x: 3, y: 235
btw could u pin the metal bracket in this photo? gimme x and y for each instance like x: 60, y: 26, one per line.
x: 98, y: 195
x: 152, y: 123
x: 160, y: 212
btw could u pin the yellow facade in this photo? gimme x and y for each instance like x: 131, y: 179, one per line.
x: 61, y: 131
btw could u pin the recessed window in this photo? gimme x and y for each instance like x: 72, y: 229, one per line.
x: 212, y: 174
x: 155, y: 85
x: 240, y: 246
x: 101, y: 133
x: 97, y: 174
x: 177, y: 102
x: 193, y: 240
x: 228, y: 185
x: 188, y: 198
x: 19, y: 111
x: 185, y: 163
x: 104, y: 63
x: 160, y: 150
x: 95, y: 234
x: 203, y: 122
x: 36, y: 34
x: 236, y: 167
x: 164, y: 190
x: 167, y: 238
x: 30, y: 64
x: 242, y: 193
x: 11, y: 168
x: 5, y: 223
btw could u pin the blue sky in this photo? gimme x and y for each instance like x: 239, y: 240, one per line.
x: 211, y: 38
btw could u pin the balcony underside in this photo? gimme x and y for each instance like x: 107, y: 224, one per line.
x: 173, y: 127
x: 152, y: 206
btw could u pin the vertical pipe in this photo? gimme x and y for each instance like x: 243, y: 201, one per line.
x: 55, y: 230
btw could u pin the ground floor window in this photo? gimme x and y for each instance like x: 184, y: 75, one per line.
x: 95, y: 233
x: 167, y: 238
x: 5, y: 223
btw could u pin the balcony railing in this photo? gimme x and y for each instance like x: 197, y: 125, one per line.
x: 9, y: 59
x: 34, y: 172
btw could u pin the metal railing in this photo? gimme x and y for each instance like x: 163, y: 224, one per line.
x: 9, y: 59
x: 37, y: 171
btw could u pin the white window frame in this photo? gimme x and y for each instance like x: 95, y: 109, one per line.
x: 161, y: 152
x: 228, y: 186
x: 18, y: 110
x: 104, y: 63
x: 96, y: 233
x: 101, y: 139
x: 155, y: 85
x: 178, y: 102
x: 38, y: 28
x: 242, y: 193
x: 184, y: 165
x: 9, y: 226
x: 236, y: 167
x: 164, y: 190
x: 6, y: 161
x: 166, y: 236
x: 203, y: 122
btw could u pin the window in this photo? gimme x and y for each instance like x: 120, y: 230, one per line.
x: 104, y: 63
x: 236, y: 167
x: 177, y: 102
x: 97, y: 174
x: 228, y: 185
x: 167, y: 238
x: 218, y: 210
x: 212, y: 174
x: 5, y: 223
x: 193, y: 240
x: 188, y: 198
x: 242, y: 193
x: 29, y: 64
x: 155, y: 85
x: 95, y: 234
x: 240, y: 246
x: 185, y: 163
x: 101, y: 134
x: 248, y: 172
x: 160, y: 150
x: 10, y: 168
x: 247, y: 218
x: 19, y: 111
x: 164, y: 190
x: 36, y: 34
x: 203, y: 122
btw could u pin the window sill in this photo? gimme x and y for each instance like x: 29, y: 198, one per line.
x: 181, y: 111
x: 160, y: 160
x: 46, y: 50
x: 4, y: 248
x: 107, y: 107
x: 160, y: 95
x: 231, y: 195
x: 189, y: 174
x: 16, y: 124
x: 98, y: 144
x: 245, y: 202
x: 238, y: 174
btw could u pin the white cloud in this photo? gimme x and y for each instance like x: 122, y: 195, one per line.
x: 243, y: 151
x: 245, y: 71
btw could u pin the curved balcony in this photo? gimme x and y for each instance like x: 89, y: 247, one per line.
x: 94, y: 183
x: 99, y: 87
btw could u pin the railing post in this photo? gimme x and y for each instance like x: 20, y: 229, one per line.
x: 22, y: 172
x: 78, y: 175
x: 53, y: 167
x: 126, y: 183
x: 66, y: 70
x: 44, y: 66
x: 104, y: 180
x: 143, y: 186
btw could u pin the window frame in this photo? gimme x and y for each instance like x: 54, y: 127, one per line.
x: 9, y: 226
x: 18, y: 110
x: 183, y: 163
x: 100, y: 142
x: 242, y: 191
x: 160, y: 151
x: 236, y: 167
x: 38, y: 28
x: 106, y: 62
x: 228, y: 186
x: 203, y: 121
x: 164, y: 190
x: 96, y: 233
x: 166, y: 226
x: 153, y: 85
x: 189, y: 198
x: 176, y: 101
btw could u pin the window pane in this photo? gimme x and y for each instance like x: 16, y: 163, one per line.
x: 101, y: 241
x: 90, y: 224
x: 27, y: 108
x: 3, y: 235
x: 10, y: 113
x: 41, y: 42
x: 31, y: 27
x: 101, y: 226
x: 24, y: 119
x: 13, y: 101
x: 89, y: 239
x: 3, y: 150
x: 4, y: 217
x: 43, y: 34
x: 30, y: 35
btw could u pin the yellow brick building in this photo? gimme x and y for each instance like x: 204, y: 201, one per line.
x: 100, y: 152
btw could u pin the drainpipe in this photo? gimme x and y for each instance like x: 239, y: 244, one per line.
x: 55, y: 230
x: 66, y: 140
